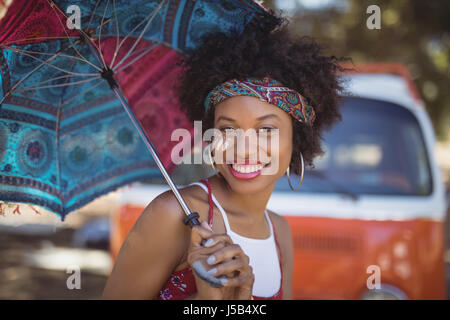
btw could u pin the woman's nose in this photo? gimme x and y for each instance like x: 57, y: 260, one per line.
x: 247, y: 148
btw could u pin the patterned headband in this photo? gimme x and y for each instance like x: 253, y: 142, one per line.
x: 268, y: 90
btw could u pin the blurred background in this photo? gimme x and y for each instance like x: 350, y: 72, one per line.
x: 36, y: 250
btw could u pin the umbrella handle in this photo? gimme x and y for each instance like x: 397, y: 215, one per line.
x: 191, y: 218
x: 199, y: 269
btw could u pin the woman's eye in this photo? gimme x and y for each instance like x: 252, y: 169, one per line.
x: 227, y: 129
x: 266, y: 130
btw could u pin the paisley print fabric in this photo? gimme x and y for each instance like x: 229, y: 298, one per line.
x: 65, y: 137
x: 265, y: 89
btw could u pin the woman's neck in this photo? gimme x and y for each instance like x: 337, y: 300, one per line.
x: 243, y: 206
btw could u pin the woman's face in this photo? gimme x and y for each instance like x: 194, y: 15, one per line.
x: 258, y: 154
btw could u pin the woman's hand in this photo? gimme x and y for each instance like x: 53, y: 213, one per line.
x: 229, y: 260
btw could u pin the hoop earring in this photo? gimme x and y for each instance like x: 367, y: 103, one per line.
x: 301, y: 176
x: 210, y: 158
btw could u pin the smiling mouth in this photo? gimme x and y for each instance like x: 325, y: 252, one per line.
x: 246, y: 171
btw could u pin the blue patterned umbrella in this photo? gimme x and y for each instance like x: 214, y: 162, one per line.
x: 85, y: 111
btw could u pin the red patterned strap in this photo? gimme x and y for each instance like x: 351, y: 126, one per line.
x: 211, y: 205
x: 210, y: 218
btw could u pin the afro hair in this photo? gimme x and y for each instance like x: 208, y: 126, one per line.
x: 266, y: 49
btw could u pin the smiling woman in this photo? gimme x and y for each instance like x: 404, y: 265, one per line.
x: 262, y: 80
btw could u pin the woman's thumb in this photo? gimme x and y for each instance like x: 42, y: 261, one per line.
x: 206, y: 225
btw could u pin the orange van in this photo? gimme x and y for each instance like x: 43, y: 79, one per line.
x: 368, y: 221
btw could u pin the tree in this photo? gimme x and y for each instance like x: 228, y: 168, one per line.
x: 413, y: 32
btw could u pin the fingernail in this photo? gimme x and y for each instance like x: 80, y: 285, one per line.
x: 212, y: 271
x: 211, y: 259
x: 206, y: 225
x: 209, y: 242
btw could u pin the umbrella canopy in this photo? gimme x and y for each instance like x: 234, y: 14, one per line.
x: 85, y: 111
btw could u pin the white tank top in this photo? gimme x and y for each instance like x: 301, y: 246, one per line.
x: 262, y: 254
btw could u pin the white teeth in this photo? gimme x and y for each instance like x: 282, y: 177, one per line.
x: 247, y: 168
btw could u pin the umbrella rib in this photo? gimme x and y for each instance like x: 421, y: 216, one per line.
x: 81, y: 31
x: 117, y: 29
x: 117, y: 39
x: 150, y: 16
x: 57, y: 68
x: 57, y: 132
x: 47, y: 53
x: 123, y: 40
x: 93, y: 12
x: 57, y: 78
x: 32, y: 71
x: 100, y: 34
x: 167, y: 44
x: 38, y: 38
x: 59, y: 84
x: 53, y: 5
x: 82, y: 92
x: 57, y: 157
x: 153, y: 15
x: 146, y: 50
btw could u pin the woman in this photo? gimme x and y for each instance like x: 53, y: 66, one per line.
x: 262, y: 80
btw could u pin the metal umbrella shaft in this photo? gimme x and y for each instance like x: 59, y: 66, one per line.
x: 191, y: 218
x: 150, y: 147
x: 108, y: 76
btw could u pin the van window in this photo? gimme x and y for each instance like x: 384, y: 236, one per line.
x: 378, y: 148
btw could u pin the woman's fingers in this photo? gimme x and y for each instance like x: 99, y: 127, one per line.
x: 200, y: 232
x: 241, y: 280
x: 199, y: 252
x: 228, y: 252
x: 216, y: 238
x: 230, y: 266
x: 220, y: 246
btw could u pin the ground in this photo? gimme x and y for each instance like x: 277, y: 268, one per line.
x: 19, y: 281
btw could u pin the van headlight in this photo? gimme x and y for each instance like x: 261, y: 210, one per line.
x: 386, y: 292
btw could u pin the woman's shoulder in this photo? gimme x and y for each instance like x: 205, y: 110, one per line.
x: 194, y: 197
x: 163, y: 217
x: 163, y: 211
